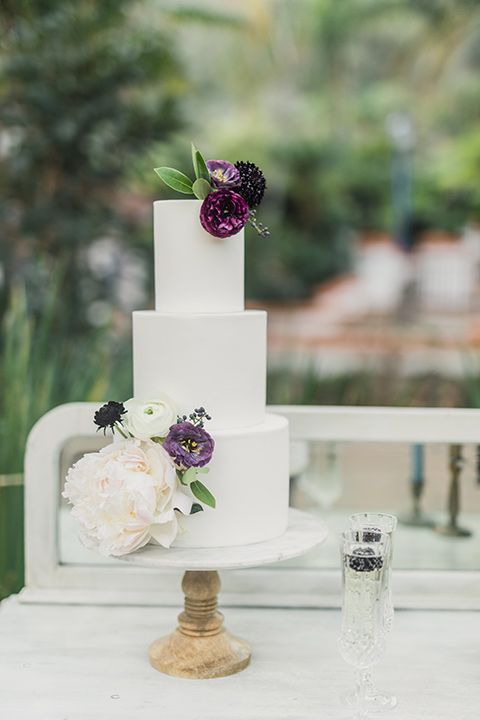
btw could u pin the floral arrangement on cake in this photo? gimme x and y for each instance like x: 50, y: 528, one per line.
x: 134, y: 490
x: 230, y: 193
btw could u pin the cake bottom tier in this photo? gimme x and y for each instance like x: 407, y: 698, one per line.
x: 249, y: 478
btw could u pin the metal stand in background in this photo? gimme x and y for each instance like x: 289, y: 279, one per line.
x: 451, y: 528
x: 401, y: 132
x: 416, y: 517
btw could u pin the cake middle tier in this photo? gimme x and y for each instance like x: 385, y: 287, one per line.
x: 217, y: 361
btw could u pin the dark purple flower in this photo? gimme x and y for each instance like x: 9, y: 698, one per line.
x: 252, y: 183
x: 223, y: 174
x: 189, y: 445
x: 108, y: 415
x: 223, y: 213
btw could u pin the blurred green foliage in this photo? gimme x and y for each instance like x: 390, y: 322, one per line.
x: 370, y: 388
x: 328, y: 194
x: 315, y: 120
x: 43, y: 365
x: 93, y: 95
x: 83, y: 90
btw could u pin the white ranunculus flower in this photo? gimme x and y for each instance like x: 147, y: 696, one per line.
x: 124, y: 495
x: 152, y: 418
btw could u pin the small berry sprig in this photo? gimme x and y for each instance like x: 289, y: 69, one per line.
x: 197, y: 418
x: 262, y: 230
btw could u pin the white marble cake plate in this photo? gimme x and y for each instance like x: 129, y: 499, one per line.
x: 201, y: 647
x: 304, y: 532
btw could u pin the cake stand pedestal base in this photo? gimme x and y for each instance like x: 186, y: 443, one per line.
x: 200, y: 647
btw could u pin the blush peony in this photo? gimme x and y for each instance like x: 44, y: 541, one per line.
x: 125, y: 495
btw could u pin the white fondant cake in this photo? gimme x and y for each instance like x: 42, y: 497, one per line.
x: 194, y: 271
x: 201, y: 347
x: 249, y: 480
x: 215, y: 360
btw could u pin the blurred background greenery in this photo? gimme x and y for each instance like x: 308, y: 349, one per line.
x: 95, y: 93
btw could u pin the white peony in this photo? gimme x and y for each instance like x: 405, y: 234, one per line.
x: 150, y: 419
x: 124, y: 495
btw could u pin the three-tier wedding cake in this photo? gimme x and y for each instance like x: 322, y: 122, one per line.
x: 201, y: 345
x: 167, y: 479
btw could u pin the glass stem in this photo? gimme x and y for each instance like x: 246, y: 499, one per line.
x: 362, y: 677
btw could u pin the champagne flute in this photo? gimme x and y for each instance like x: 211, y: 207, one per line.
x: 372, y: 523
x: 362, y: 633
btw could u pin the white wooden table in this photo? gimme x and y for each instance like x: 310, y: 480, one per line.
x: 73, y: 662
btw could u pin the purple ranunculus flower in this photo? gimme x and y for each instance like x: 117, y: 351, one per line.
x: 223, y: 174
x: 224, y: 213
x: 189, y: 445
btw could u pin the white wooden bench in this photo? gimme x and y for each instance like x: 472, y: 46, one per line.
x: 65, y: 432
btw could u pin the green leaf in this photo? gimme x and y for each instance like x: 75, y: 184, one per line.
x: 196, y: 508
x: 189, y: 476
x: 202, y: 494
x: 175, y: 179
x: 194, y: 160
x: 201, y: 167
x: 201, y: 188
x: 203, y: 470
x: 180, y: 476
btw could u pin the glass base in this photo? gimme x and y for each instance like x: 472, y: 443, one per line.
x: 375, y: 701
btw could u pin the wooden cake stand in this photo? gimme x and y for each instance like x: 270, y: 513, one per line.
x: 201, y: 647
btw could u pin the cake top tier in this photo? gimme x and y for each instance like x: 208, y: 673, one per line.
x: 194, y: 271
x: 199, y: 244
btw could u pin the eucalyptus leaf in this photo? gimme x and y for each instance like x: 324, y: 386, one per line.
x: 189, y: 476
x: 202, y: 494
x: 194, y: 160
x: 203, y: 470
x: 180, y: 477
x: 201, y: 167
x: 175, y: 179
x: 196, y: 507
x: 201, y: 188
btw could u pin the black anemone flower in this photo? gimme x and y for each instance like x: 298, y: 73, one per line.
x: 108, y: 415
x: 252, y: 183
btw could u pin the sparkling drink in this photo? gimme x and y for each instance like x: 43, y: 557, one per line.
x: 362, y: 635
x: 362, y: 632
x: 371, y: 523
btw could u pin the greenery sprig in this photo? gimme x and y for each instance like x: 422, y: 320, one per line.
x: 200, y: 187
x: 230, y: 193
